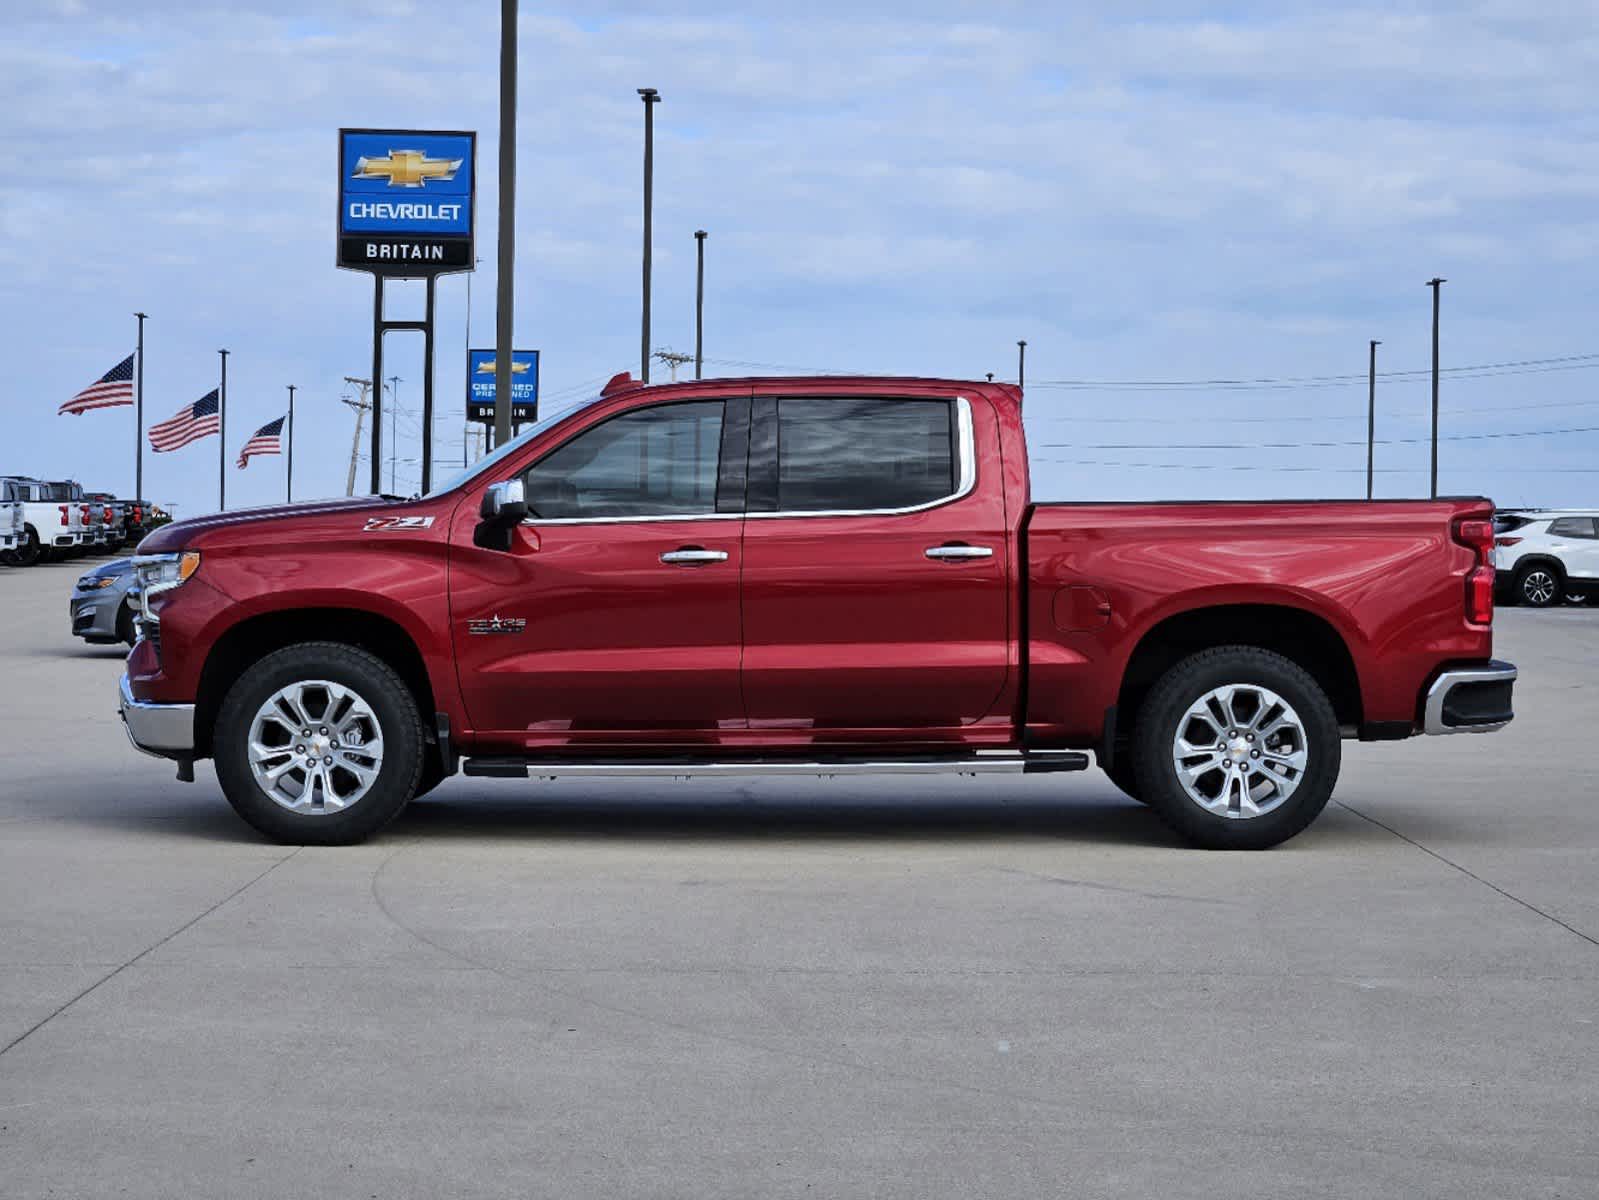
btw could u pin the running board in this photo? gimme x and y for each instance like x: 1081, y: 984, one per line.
x: 1004, y: 762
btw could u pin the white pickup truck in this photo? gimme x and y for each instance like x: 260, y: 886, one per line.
x: 11, y: 524
x: 52, y: 522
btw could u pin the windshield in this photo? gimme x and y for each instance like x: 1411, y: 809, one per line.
x: 489, y: 461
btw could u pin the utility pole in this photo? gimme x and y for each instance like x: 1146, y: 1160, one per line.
x: 1436, y: 285
x: 360, y: 405
x: 394, y: 426
x: 1021, y: 364
x: 288, y: 439
x: 506, y: 267
x: 699, y: 305
x: 651, y: 98
x: 1371, y: 416
x: 674, y: 360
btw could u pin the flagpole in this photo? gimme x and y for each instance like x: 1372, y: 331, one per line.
x: 138, y: 420
x: 289, y: 437
x: 222, y: 440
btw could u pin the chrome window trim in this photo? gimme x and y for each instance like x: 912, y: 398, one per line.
x: 966, y: 448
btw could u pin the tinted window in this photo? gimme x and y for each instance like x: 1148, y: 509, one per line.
x: 1572, y: 527
x: 1505, y: 524
x: 863, y: 454
x: 652, y: 462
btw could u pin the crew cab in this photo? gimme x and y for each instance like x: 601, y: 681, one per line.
x: 803, y: 576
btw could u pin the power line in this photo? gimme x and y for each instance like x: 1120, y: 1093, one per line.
x: 1191, y: 466
x: 1455, y: 437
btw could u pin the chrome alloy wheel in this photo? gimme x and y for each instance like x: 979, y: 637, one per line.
x: 1538, y: 586
x: 1240, y: 751
x: 315, y: 747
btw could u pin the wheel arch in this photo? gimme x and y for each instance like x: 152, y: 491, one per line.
x: 1540, y: 559
x: 1303, y: 637
x: 256, y: 636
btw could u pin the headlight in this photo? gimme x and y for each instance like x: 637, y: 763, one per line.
x: 157, y: 573
x: 95, y: 585
x: 162, y: 572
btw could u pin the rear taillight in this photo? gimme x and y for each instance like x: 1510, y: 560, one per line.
x: 66, y: 519
x: 138, y: 514
x: 1506, y: 541
x: 83, y: 511
x: 108, y: 517
x: 1478, y: 536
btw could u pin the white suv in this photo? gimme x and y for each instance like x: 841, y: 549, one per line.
x: 1544, y: 556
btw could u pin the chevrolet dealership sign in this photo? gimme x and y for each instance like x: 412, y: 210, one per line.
x: 481, y: 390
x: 406, y: 201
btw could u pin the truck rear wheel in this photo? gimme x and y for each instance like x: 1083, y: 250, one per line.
x: 318, y: 744
x: 1236, y: 748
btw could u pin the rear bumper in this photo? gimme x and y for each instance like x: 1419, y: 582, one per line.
x: 1474, y: 699
x: 164, y: 730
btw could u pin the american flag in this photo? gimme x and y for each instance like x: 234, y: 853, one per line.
x: 266, y: 440
x: 188, y: 424
x: 111, y: 389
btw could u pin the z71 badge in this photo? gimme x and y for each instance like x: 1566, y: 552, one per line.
x: 378, y: 524
x: 496, y: 624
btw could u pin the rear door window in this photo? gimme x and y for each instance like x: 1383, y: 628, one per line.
x: 863, y: 454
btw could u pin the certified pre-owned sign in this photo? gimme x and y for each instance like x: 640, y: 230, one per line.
x: 406, y: 200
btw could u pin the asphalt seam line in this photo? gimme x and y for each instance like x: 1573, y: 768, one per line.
x: 1528, y: 905
x: 148, y: 950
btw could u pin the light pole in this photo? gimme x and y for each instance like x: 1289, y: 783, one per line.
x: 1021, y: 364
x: 507, y: 257
x: 1436, y: 285
x: 1371, y: 415
x: 651, y: 98
x: 138, y: 419
x: 222, y: 436
x: 699, y: 304
x: 288, y: 440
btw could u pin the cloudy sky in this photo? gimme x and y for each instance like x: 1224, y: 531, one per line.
x: 1149, y: 194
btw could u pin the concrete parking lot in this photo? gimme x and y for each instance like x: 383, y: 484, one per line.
x: 776, y: 988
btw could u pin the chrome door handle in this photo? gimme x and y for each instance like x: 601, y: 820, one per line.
x: 959, y: 552
x: 690, y: 555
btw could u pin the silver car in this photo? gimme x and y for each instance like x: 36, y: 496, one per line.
x: 101, y: 611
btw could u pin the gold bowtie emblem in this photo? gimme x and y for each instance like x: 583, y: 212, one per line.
x: 487, y: 367
x: 406, y: 168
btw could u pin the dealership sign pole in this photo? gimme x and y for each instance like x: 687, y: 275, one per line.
x: 406, y: 211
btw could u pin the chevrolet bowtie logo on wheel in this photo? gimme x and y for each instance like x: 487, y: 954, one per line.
x: 406, y: 168
x: 496, y: 624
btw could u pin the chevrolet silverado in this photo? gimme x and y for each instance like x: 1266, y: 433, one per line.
x: 803, y: 576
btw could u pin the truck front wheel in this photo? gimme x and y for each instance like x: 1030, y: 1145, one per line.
x: 1236, y: 748
x: 318, y: 744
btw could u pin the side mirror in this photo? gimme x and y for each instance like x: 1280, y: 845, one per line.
x: 504, y: 503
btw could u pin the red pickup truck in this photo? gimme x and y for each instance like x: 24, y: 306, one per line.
x: 803, y: 576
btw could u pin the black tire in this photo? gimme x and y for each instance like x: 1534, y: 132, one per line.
x: 392, y: 704
x: 30, y: 551
x: 125, y: 630
x: 1122, y: 774
x: 1158, y: 724
x: 1539, y: 585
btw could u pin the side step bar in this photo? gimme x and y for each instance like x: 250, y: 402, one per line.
x: 1003, y: 762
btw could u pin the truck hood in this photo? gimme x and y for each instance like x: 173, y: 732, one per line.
x: 178, y: 534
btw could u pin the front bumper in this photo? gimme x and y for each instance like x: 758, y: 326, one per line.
x: 164, y: 730
x: 1474, y: 699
